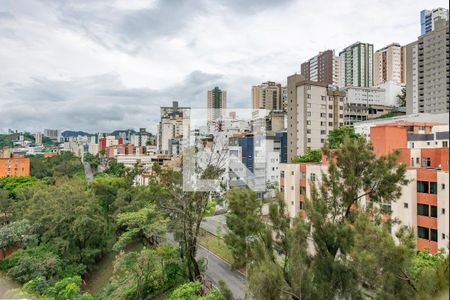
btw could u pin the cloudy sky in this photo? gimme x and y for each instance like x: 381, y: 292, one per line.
x: 99, y: 65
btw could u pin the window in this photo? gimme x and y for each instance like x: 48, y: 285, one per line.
x: 292, y: 172
x: 433, y: 211
x: 308, y: 114
x: 308, y: 105
x: 308, y: 122
x: 324, y: 98
x: 330, y: 115
x: 313, y: 177
x: 423, y: 233
x: 418, y: 160
x: 330, y: 124
x: 309, y: 96
x: 412, y: 161
x: 405, y: 205
x: 443, y: 211
x: 433, y: 188
x: 302, y: 205
x: 323, y: 132
x: 426, y: 162
x: 412, y: 145
x: 443, y: 186
x: 292, y: 188
x: 322, y: 115
x: 422, y: 210
x: 422, y: 187
x: 308, y: 131
x: 444, y: 144
x: 330, y: 106
x: 309, y: 140
x: 323, y: 106
x: 443, y: 236
x: 434, y: 235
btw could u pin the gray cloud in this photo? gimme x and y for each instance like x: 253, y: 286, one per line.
x: 99, y: 103
x: 98, y: 65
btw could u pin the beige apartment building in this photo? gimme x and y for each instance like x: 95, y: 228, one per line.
x: 267, y: 95
x: 388, y: 65
x: 313, y: 110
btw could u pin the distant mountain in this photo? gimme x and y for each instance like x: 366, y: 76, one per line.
x: 71, y: 133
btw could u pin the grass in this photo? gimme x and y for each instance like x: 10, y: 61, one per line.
x: 216, y: 245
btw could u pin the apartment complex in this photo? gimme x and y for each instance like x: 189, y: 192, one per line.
x: 423, y: 204
x: 217, y: 103
x: 313, y: 110
x: 38, y: 138
x: 323, y: 67
x: 356, y: 65
x: 174, y: 125
x: 428, y: 17
x: 427, y: 71
x: 389, y: 65
x: 267, y: 95
x: 53, y: 134
x: 14, y: 165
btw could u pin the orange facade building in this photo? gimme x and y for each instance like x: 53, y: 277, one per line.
x: 15, y: 165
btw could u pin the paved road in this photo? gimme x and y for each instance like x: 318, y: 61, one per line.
x: 88, y: 171
x: 215, y: 224
x: 218, y: 269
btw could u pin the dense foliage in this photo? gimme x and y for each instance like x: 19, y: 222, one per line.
x: 64, y: 164
x: 343, y: 249
x: 312, y: 156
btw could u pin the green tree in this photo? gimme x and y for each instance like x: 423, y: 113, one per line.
x: 337, y: 135
x: 114, y: 168
x: 185, y: 211
x: 16, y: 234
x: 401, y: 98
x: 145, y: 225
x: 68, y: 288
x: 13, y: 183
x: 5, y: 206
x: 313, y: 259
x: 106, y: 190
x: 314, y: 155
x: 140, y: 275
x: 193, y: 291
x: 244, y: 223
x: 68, y: 218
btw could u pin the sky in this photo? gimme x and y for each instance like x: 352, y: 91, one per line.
x: 100, y: 65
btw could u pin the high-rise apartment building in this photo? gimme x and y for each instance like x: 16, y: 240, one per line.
x: 388, y: 64
x: 53, y: 134
x: 172, y: 128
x: 314, y: 109
x: 323, y: 67
x: 428, y: 17
x: 427, y: 71
x: 356, y: 65
x: 267, y: 95
x: 38, y: 138
x: 217, y: 103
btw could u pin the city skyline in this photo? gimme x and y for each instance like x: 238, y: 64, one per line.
x: 81, y: 69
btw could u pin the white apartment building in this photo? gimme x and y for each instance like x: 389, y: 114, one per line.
x: 356, y: 65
